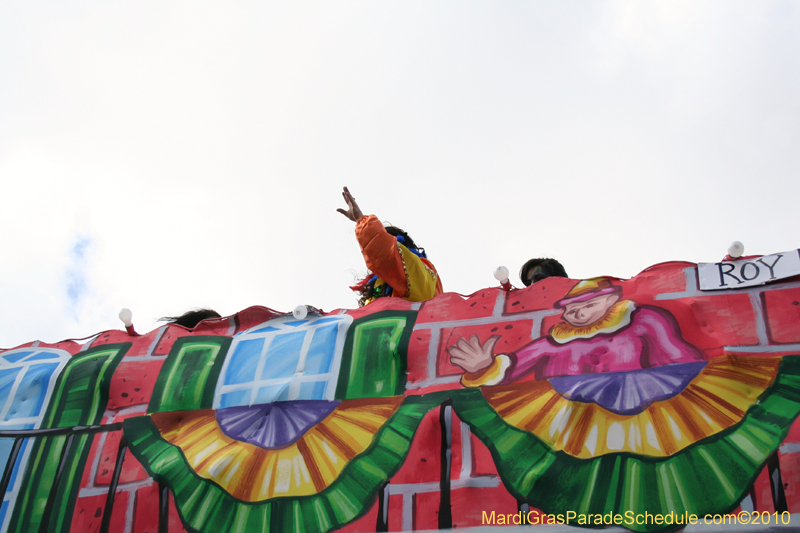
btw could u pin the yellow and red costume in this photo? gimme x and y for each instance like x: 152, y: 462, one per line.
x: 411, y: 277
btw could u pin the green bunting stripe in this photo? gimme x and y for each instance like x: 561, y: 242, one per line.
x: 205, y: 507
x: 710, y: 476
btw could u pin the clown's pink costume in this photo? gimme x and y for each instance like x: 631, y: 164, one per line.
x: 639, y: 353
x: 627, y: 339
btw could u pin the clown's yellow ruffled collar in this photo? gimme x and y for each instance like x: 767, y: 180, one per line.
x: 615, y: 319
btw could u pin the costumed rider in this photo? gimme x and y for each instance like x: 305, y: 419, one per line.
x: 541, y: 268
x: 398, y: 267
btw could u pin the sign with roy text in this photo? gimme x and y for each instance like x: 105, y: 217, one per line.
x: 748, y: 272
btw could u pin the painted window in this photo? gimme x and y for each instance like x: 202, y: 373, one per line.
x: 27, y: 379
x: 283, y: 359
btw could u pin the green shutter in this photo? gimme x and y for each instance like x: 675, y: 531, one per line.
x: 375, y: 356
x: 189, y: 375
x: 79, y: 399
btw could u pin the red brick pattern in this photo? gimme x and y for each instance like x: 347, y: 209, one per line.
x: 133, y: 383
x: 423, y: 464
x: 253, y: 316
x: 790, y: 475
x: 114, y: 336
x: 88, y: 513
x: 170, y: 335
x: 722, y: 319
x: 483, y: 464
x: 762, y: 492
x: 783, y: 315
x: 140, y: 345
x: 418, y: 343
x: 450, y: 305
x: 395, y: 514
x: 145, y: 511
x: 426, y: 511
x: 132, y: 470
x: 538, y: 297
x: 662, y: 278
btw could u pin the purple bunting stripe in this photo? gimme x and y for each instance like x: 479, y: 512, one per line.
x: 273, y: 425
x: 628, y: 393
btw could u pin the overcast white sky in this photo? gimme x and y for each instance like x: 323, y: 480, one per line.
x: 168, y: 155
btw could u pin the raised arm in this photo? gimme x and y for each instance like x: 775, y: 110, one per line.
x: 410, y: 276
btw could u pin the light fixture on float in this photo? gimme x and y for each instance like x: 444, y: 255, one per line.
x: 736, y: 250
x: 126, y: 316
x: 501, y: 275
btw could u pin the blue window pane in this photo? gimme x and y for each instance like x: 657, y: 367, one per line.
x: 7, y: 377
x: 32, y: 389
x: 43, y: 355
x: 327, y: 320
x: 14, y: 357
x: 283, y: 355
x: 313, y: 390
x: 5, y: 450
x: 235, y: 399
x: 3, y: 510
x: 15, y: 471
x: 296, y: 323
x: 242, y: 366
x: 320, y: 352
x: 273, y: 393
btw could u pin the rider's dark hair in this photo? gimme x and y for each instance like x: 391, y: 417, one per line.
x: 548, y: 268
x: 190, y: 319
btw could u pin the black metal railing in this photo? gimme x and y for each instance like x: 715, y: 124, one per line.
x: 19, y: 436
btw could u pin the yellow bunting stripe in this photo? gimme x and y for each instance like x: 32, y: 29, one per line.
x: 715, y: 400
x: 251, y: 473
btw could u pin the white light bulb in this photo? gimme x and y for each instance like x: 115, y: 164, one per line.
x: 126, y: 316
x: 300, y: 312
x: 736, y: 249
x: 501, y: 274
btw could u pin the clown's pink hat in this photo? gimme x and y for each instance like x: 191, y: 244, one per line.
x: 586, y: 290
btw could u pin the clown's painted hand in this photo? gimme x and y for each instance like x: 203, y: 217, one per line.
x: 477, y: 361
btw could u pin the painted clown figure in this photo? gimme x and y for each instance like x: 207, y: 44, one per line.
x: 623, y: 414
x: 606, y: 350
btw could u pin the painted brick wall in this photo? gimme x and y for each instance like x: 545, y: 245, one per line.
x: 767, y: 322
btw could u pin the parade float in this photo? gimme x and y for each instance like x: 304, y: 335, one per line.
x: 671, y: 394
